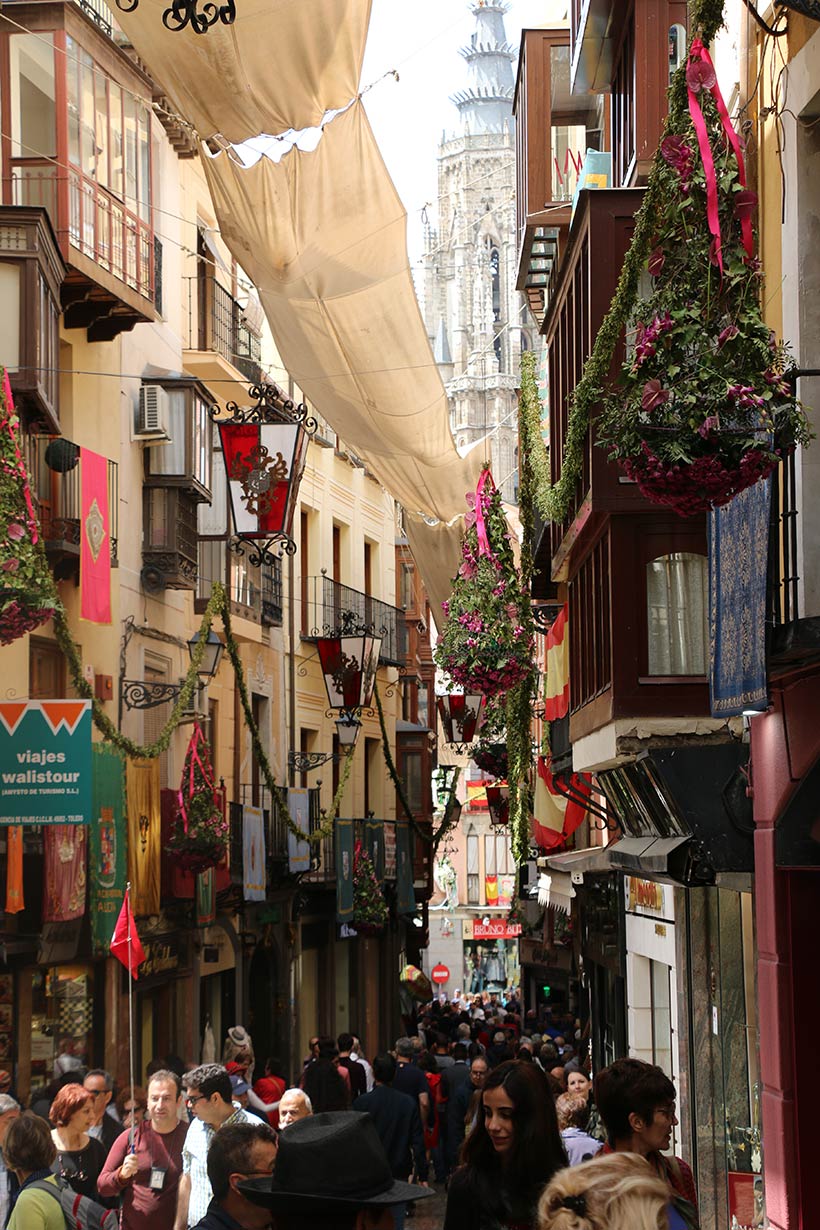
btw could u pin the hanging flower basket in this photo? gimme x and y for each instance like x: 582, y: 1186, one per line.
x: 485, y: 646
x: 199, y: 835
x: 370, y: 912
x: 703, y: 407
x: 28, y: 597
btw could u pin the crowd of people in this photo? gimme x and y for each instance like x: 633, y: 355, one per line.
x: 496, y: 1105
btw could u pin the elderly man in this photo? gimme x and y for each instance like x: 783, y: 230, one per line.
x: 104, y: 1126
x: 209, y: 1098
x: 241, y: 1152
x: 294, y: 1105
x: 145, y: 1173
x: 9, y: 1111
x: 332, y: 1170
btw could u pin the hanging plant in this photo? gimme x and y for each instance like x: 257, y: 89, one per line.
x: 492, y: 758
x: 28, y: 596
x: 198, y: 839
x: 369, y: 906
x: 703, y: 408
x: 491, y: 750
x: 485, y: 645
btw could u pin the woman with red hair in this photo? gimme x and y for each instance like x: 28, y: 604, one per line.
x: 80, y: 1157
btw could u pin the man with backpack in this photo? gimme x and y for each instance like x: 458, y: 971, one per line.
x: 145, y: 1170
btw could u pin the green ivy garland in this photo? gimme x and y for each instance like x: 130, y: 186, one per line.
x: 554, y: 502
x: 520, y: 698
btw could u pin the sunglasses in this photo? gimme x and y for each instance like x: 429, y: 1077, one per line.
x: 192, y: 1101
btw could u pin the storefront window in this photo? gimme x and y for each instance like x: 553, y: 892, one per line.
x: 62, y: 1025
x: 490, y: 965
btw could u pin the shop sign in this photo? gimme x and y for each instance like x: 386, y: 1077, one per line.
x: 45, y: 762
x: 646, y: 897
x: 494, y: 929
x: 440, y: 974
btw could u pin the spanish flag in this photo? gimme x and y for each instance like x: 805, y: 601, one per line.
x: 556, y: 689
x: 556, y: 817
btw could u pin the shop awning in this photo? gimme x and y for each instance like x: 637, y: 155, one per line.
x: 670, y: 859
x: 592, y: 860
x: 322, y: 235
x: 281, y: 64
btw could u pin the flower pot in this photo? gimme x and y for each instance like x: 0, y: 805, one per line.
x: 367, y: 929
x: 699, y: 485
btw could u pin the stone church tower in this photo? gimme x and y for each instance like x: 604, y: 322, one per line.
x: 474, y: 314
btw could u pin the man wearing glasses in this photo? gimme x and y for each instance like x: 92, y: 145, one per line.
x: 240, y: 1152
x: 208, y: 1097
x: 144, y: 1168
x: 104, y: 1125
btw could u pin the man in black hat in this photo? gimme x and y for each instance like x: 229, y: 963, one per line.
x: 332, y: 1172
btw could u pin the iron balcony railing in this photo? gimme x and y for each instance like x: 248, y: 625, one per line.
x: 216, y: 321
x: 324, y: 854
x: 57, y: 495
x: 784, y: 578
x: 327, y: 605
x: 99, y: 13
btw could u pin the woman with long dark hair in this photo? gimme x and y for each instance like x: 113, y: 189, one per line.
x: 510, y: 1155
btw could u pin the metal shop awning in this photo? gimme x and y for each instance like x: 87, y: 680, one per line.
x: 589, y: 861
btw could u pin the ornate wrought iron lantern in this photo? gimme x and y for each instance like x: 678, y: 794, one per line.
x: 264, y: 447
x: 349, y: 660
x: 136, y: 694
x: 461, y: 717
x: 182, y: 13
x: 498, y: 805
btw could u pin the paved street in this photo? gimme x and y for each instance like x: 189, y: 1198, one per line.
x: 429, y: 1214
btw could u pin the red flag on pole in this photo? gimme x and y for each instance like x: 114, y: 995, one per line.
x: 125, y: 942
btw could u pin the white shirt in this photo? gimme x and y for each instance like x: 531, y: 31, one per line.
x: 195, y: 1162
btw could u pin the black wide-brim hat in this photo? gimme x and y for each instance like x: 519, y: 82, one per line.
x: 330, y: 1160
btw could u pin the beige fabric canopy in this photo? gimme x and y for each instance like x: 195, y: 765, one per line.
x: 322, y: 235
x: 281, y: 64
x: 437, y: 552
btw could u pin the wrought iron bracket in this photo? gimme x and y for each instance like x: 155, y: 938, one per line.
x: 260, y: 552
x: 306, y: 762
x: 544, y: 616
x: 136, y: 694
x: 181, y: 13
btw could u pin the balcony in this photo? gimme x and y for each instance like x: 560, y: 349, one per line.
x: 57, y: 496
x: 32, y: 272
x: 221, y: 339
x: 324, y: 872
x: 255, y: 593
x: 79, y: 147
x: 324, y: 601
x: 169, y: 550
x: 553, y: 130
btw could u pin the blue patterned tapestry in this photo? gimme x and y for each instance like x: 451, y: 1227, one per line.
x: 738, y: 556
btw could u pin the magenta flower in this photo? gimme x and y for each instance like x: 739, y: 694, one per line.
x: 10, y: 565
x: 15, y: 532
x: 727, y: 334
x: 700, y: 76
x: 708, y: 425
x: 654, y: 395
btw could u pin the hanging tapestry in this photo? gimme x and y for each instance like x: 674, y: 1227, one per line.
x: 144, y: 834
x: 738, y: 556
x: 15, y: 901
x: 64, y: 848
x: 343, y: 840
x: 373, y: 841
x: 107, y: 846
x: 95, y: 539
x: 253, y: 854
x: 206, y: 897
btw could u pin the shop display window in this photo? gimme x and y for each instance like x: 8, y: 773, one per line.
x: 62, y: 1021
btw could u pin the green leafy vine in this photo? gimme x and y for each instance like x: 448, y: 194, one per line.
x: 554, y: 501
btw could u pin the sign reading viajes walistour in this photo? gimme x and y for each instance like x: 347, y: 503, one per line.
x: 45, y: 762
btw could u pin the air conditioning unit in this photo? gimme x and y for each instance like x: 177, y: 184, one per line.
x: 153, y: 413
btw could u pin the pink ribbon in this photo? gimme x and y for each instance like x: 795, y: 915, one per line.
x: 699, y: 54
x: 197, y: 737
x: 480, y: 524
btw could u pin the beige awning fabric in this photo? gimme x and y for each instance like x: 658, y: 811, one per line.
x: 322, y: 235
x: 437, y: 552
x: 281, y: 64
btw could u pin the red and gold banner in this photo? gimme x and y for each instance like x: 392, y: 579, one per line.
x: 556, y: 816
x: 15, y: 901
x: 95, y: 539
x: 65, y: 849
x: 556, y: 688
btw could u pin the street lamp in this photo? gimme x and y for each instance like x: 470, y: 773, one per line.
x: 349, y: 662
x: 137, y: 694
x: 461, y: 718
x: 347, y: 732
x: 498, y: 805
x: 264, y: 447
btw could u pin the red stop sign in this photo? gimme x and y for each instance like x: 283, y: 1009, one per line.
x: 440, y: 974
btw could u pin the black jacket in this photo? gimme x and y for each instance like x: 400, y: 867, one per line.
x: 398, y: 1123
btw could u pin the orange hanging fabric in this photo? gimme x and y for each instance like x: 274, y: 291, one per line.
x: 14, y: 869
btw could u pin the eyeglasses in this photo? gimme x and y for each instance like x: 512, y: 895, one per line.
x: 97, y: 1093
x: 192, y: 1101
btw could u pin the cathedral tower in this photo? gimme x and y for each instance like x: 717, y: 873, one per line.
x: 473, y: 312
